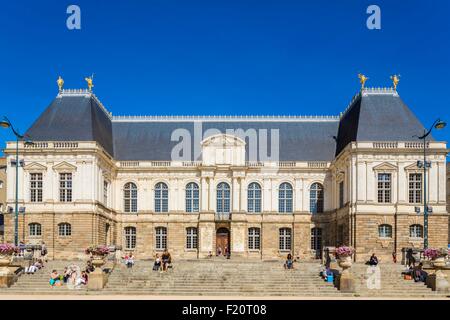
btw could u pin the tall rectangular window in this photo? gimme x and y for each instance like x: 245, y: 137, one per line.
x: 191, y: 238
x: 65, y: 187
x: 341, y: 194
x: 105, y: 192
x: 415, y: 187
x: 384, y: 187
x: 285, y: 239
x: 36, y: 187
x: 254, y: 238
x: 130, y: 238
x: 161, y: 238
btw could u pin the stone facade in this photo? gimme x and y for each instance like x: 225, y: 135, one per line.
x: 97, y: 211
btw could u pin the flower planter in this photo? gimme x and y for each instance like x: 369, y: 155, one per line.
x: 5, y: 260
x: 438, y: 262
x: 345, y: 262
x: 98, y: 261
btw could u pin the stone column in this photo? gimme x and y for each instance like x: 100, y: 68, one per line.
x: 242, y: 201
x: 211, y: 206
x: 207, y: 230
x: 235, y: 193
x: 298, y: 191
x: 238, y: 230
x: 204, y: 195
x: 266, y: 195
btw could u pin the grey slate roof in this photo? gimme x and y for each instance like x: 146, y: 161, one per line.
x: 305, y: 140
x: 378, y: 117
x: 73, y: 118
x: 370, y: 117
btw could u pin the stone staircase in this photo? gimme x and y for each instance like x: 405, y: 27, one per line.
x: 38, y: 283
x: 392, y: 284
x: 221, y: 277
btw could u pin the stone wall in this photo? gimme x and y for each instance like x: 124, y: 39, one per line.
x: 84, y: 232
x: 89, y: 229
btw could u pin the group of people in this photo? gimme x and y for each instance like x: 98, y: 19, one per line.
x: 162, y: 263
x: 37, y: 260
x: 72, y: 276
x: 225, y: 252
x: 34, y: 266
x: 36, y: 253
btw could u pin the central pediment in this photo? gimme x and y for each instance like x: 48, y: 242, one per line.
x: 223, y: 149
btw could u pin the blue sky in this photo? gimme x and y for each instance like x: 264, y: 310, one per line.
x: 224, y: 56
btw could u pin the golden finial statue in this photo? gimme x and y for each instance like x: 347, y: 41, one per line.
x: 395, y: 80
x: 60, y: 83
x: 362, y: 79
x: 90, y: 82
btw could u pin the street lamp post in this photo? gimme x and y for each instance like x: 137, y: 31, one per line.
x: 438, y: 124
x: 5, y: 123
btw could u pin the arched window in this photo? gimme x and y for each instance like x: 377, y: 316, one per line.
x: 316, y: 198
x: 130, y: 197
x: 254, y: 197
x: 64, y: 229
x: 223, y: 198
x: 285, y: 239
x: 35, y: 229
x: 385, y: 231
x: 254, y: 238
x: 316, y: 240
x: 285, y: 198
x: 161, y: 238
x: 416, y: 231
x: 192, y: 197
x: 161, y: 197
x: 191, y: 238
x: 130, y: 238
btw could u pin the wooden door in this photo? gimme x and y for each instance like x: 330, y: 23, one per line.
x: 222, y: 241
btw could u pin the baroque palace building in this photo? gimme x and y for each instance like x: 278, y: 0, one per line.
x: 261, y: 186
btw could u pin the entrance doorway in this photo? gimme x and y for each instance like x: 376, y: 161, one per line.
x: 222, y: 241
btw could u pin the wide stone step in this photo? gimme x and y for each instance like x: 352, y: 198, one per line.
x: 223, y: 278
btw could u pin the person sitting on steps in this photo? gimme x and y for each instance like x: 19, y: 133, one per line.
x: 289, y: 262
x: 419, y: 274
x: 373, y: 261
x: 55, y: 279
x: 129, y: 260
x: 90, y: 267
x: 157, y: 264
x: 166, y: 259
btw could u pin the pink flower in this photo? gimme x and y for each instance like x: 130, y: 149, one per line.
x: 344, y: 251
x: 100, y: 250
x: 432, y: 253
x: 6, y: 248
